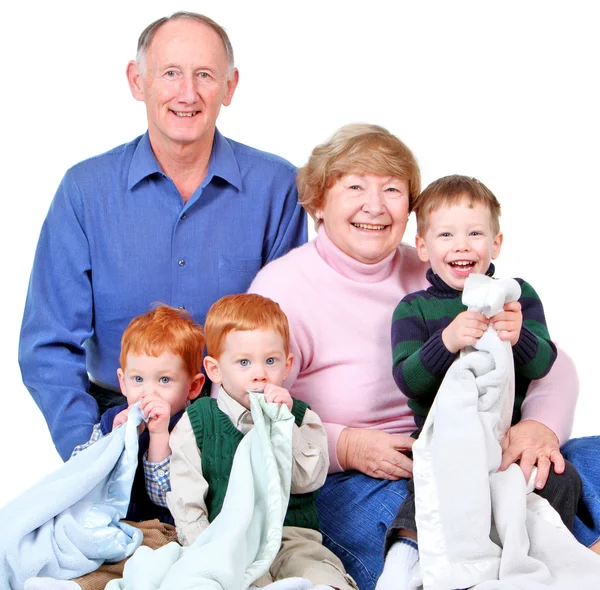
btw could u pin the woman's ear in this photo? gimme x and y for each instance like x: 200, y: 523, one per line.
x: 211, y: 366
x: 421, y: 248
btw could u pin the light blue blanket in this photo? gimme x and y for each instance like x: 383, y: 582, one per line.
x: 67, y: 525
x: 241, y: 543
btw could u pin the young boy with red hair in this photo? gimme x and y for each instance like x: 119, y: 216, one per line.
x: 247, y: 338
x: 161, y: 359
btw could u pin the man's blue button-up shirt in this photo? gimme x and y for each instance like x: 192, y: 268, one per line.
x: 118, y: 238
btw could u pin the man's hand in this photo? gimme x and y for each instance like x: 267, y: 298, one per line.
x: 508, y: 323
x: 529, y: 443
x: 375, y: 453
x: 464, y: 330
x: 278, y: 395
x: 158, y: 412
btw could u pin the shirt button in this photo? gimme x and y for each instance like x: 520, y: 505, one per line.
x: 183, y: 216
x: 181, y: 262
x: 160, y: 473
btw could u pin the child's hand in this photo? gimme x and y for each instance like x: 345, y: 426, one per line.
x: 508, y: 323
x: 466, y: 328
x: 120, y: 418
x: 158, y: 412
x: 278, y: 395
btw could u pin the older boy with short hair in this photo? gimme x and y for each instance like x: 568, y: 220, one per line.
x: 247, y: 339
x: 458, y: 233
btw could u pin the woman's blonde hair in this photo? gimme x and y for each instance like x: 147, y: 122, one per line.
x: 356, y: 148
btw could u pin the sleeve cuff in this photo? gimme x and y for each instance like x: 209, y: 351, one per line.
x: 525, y: 349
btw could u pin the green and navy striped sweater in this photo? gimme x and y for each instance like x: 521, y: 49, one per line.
x: 421, y: 359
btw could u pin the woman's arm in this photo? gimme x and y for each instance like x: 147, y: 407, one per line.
x: 547, y: 418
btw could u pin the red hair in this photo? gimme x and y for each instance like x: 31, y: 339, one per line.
x: 165, y: 329
x: 243, y: 312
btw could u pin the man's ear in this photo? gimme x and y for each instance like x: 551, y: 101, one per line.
x: 497, y: 245
x: 121, y: 377
x: 211, y: 366
x: 196, y: 386
x: 134, y: 78
x: 288, y: 366
x: 231, y: 86
x: 421, y: 248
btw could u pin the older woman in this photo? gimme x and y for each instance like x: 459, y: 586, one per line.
x: 339, y: 292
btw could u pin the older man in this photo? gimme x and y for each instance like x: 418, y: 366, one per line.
x: 180, y: 215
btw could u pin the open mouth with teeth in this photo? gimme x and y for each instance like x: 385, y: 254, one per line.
x: 369, y: 226
x: 462, y: 266
x: 184, y: 114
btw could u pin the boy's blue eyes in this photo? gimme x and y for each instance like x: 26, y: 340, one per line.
x: 163, y: 380
x: 246, y: 363
x: 137, y: 379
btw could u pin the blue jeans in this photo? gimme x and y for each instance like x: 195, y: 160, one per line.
x: 355, y: 511
x: 584, y: 453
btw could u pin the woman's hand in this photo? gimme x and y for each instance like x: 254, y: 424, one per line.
x: 375, y: 453
x: 530, y: 442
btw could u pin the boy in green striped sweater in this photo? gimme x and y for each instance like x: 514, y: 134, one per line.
x: 458, y: 233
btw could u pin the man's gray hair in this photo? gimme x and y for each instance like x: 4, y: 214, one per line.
x: 148, y: 34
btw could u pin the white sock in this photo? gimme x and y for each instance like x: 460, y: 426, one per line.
x: 50, y: 584
x: 399, y: 562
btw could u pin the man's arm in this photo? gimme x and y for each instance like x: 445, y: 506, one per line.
x: 57, y: 322
x: 291, y: 225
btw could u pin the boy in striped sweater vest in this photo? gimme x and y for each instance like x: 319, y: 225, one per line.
x: 247, y: 340
x: 458, y: 233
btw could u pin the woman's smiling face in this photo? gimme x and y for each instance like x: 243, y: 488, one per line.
x: 365, y: 215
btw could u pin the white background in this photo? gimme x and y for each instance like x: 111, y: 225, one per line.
x: 504, y: 91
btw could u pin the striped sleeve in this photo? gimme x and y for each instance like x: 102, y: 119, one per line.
x: 420, y: 359
x: 534, y: 353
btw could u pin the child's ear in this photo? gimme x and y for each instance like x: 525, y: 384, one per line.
x: 211, y: 366
x: 421, y: 248
x: 121, y: 377
x: 196, y: 386
x: 497, y: 245
x: 288, y: 366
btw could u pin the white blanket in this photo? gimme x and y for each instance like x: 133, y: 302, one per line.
x: 479, y: 527
x: 240, y: 544
x: 67, y: 525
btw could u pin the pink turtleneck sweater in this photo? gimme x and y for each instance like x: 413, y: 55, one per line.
x: 340, y: 313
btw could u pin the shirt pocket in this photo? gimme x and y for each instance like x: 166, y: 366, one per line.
x: 236, y: 274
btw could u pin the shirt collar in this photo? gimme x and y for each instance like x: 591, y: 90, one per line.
x: 444, y: 291
x: 238, y: 414
x: 222, y: 162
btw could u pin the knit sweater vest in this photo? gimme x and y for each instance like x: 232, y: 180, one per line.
x: 218, y: 439
x: 421, y: 359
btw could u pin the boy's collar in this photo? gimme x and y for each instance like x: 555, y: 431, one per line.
x: 442, y: 290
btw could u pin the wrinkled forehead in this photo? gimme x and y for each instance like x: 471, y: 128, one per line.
x: 185, y: 42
